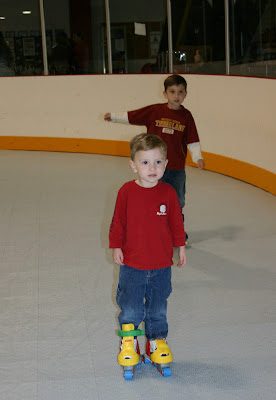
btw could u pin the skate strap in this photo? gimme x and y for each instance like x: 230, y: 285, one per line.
x: 136, y: 332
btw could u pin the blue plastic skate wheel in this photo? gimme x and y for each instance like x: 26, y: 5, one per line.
x: 166, y: 371
x: 128, y: 375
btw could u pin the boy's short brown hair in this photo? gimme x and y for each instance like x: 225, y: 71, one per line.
x: 145, y: 142
x: 174, y: 80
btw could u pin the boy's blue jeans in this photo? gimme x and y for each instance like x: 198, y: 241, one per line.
x: 142, y: 296
x: 177, y: 179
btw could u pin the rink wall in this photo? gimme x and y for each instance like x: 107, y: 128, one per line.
x: 235, y: 117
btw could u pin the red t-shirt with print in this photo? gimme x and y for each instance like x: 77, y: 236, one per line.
x: 147, y: 224
x: 176, y: 127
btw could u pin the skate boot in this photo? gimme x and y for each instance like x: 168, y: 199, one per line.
x: 159, y: 354
x: 129, y: 355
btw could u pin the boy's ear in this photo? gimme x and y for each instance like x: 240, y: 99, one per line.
x: 166, y: 163
x: 133, y: 166
x: 165, y: 94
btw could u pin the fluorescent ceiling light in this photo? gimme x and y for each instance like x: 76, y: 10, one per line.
x: 2, y: 17
x: 26, y: 12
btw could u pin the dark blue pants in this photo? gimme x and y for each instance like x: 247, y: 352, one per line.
x: 142, y: 296
x: 178, y: 181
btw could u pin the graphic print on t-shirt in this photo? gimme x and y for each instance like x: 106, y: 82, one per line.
x: 169, y: 125
x: 162, y: 209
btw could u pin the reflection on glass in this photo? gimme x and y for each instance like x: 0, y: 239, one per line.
x: 6, y: 57
x: 20, y: 39
x: 74, y: 36
x: 60, y: 54
x: 253, y: 37
x: 198, y: 29
x: 77, y: 44
x: 139, y: 36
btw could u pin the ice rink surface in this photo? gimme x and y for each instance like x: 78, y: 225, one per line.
x: 58, y: 315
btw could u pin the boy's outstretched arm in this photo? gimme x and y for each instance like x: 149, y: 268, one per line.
x: 117, y: 117
x: 118, y: 256
x: 182, y: 256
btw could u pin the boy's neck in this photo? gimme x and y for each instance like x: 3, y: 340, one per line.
x: 140, y: 183
x: 172, y: 108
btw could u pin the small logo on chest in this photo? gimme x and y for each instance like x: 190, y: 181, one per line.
x: 162, y: 210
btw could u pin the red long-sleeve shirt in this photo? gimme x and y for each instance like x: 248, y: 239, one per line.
x: 147, y: 224
x: 176, y: 127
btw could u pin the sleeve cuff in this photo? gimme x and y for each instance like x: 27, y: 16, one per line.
x: 120, y: 117
x: 195, y: 151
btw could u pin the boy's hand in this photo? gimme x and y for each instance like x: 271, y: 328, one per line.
x: 200, y: 164
x: 118, y: 256
x: 107, y: 117
x: 182, y: 256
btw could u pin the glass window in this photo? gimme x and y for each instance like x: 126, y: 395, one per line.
x: 20, y: 38
x: 198, y: 29
x: 253, y: 37
x: 139, y: 36
x: 75, y: 36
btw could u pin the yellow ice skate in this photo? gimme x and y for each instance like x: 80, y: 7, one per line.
x: 159, y: 354
x: 129, y: 355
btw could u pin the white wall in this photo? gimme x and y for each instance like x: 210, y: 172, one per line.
x: 235, y: 116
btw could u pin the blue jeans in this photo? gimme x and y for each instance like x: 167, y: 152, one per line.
x: 142, y: 296
x: 177, y: 179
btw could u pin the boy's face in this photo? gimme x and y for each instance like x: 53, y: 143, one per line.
x: 150, y: 166
x: 175, y: 95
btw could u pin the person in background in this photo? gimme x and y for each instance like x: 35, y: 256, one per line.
x: 62, y: 55
x: 201, y: 65
x: 81, y: 54
x: 6, y: 58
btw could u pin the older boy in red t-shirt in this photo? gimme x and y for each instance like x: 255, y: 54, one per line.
x: 175, y: 125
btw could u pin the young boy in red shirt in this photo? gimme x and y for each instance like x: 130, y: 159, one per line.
x: 175, y: 125
x: 146, y: 225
